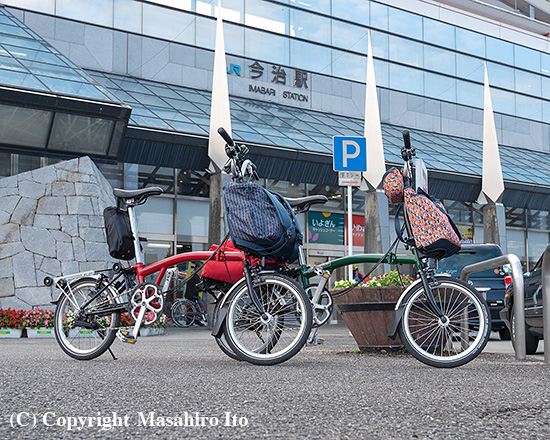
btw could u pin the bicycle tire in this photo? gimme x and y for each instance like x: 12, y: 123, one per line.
x: 79, y: 342
x: 279, y: 337
x: 183, y: 313
x: 445, y: 343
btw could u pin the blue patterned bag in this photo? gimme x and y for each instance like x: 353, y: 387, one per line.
x: 261, y: 222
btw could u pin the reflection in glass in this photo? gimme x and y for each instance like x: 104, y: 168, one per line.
x: 515, y: 241
x: 404, y: 23
x: 309, y: 27
x: 257, y: 41
x: 128, y: 15
x: 156, y: 216
x: 268, y: 16
x: 352, y: 10
x: 193, y: 217
x: 528, y: 83
x: 349, y: 37
x: 310, y: 57
x: 439, y: 60
x: 470, y: 42
x: 100, y: 10
x: 24, y: 126
x: 81, y: 134
x: 406, y: 79
x: 500, y: 50
x: 168, y: 24
x: 406, y: 51
x: 439, y: 33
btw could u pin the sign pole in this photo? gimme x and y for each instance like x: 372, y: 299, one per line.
x: 350, y: 230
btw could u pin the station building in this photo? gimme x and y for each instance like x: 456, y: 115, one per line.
x: 128, y: 83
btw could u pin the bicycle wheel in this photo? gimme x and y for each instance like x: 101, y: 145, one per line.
x: 277, y: 336
x: 183, y: 313
x: 83, y: 343
x: 322, y: 310
x: 453, y: 340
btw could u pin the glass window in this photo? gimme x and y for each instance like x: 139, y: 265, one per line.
x: 268, y: 16
x: 470, y: 42
x: 536, y: 242
x: 515, y: 217
x: 500, y: 76
x: 500, y: 50
x: 80, y: 134
x: 379, y: 16
x: 468, y: 93
x: 150, y: 175
x: 440, y: 87
x: 24, y: 126
x: 128, y: 15
x: 439, y: 60
x: 529, y: 83
x: 47, y: 6
x: 98, y: 11
x: 538, y: 219
x: 503, y: 101
x: 168, y: 24
x: 349, y: 37
x: 381, y: 73
x: 527, y: 107
x: 5, y: 164
x: 516, y: 242
x: 527, y: 58
x: 545, y: 63
x: 380, y: 44
x: 439, y: 33
x: 156, y: 250
x: 310, y: 57
x: 27, y: 163
x: 309, y: 26
x: 352, y: 10
x: 192, y: 217
x: 156, y: 216
x: 404, y: 23
x: 180, y: 4
x: 406, y: 79
x: 317, y: 5
x: 113, y: 172
x: 350, y: 66
x: 193, y: 183
x: 334, y: 194
x: 20, y: 79
x: 263, y: 46
x: 233, y: 39
x: 406, y: 51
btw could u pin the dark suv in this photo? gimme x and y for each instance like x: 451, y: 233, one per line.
x: 532, y: 296
x: 490, y: 283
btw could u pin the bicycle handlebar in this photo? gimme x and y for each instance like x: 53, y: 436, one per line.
x: 226, y: 136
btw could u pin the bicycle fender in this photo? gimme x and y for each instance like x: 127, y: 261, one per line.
x: 392, y: 333
x: 217, y: 330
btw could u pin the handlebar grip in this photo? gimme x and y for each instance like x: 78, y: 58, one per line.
x: 225, y: 136
x: 407, y: 139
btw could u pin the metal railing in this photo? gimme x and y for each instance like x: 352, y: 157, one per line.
x: 519, y: 311
x: 546, y: 302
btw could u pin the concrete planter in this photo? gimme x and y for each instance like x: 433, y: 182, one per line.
x: 368, y: 313
x: 40, y: 333
x: 11, y: 332
x: 149, y: 331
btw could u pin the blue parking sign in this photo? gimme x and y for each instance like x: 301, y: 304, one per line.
x: 350, y: 153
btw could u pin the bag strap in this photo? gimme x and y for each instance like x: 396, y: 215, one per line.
x: 284, y: 216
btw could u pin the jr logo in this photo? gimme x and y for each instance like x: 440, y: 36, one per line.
x: 350, y: 153
x: 234, y: 68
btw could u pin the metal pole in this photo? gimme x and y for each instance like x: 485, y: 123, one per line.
x: 517, y: 277
x: 350, y: 232
x: 546, y: 302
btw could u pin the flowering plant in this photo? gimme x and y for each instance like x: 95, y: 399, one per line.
x: 10, y: 318
x: 161, y: 323
x: 388, y: 279
x: 37, y: 318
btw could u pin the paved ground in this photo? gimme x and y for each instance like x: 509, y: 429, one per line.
x: 325, y: 392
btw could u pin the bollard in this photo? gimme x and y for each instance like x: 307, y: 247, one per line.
x: 546, y: 302
x: 519, y: 311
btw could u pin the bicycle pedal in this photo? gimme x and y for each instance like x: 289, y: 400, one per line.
x: 126, y: 336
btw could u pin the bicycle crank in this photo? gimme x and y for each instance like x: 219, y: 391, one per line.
x: 146, y: 296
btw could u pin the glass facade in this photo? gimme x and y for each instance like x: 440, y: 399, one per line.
x: 423, y: 56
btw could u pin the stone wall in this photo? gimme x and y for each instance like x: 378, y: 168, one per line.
x: 51, y: 223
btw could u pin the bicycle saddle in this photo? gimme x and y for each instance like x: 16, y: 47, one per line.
x: 138, y: 195
x: 302, y: 204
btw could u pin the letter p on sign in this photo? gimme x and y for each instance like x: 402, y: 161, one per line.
x: 350, y: 153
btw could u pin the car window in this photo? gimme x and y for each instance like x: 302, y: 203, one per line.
x: 454, y: 264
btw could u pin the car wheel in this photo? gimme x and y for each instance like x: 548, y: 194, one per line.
x: 531, y: 342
